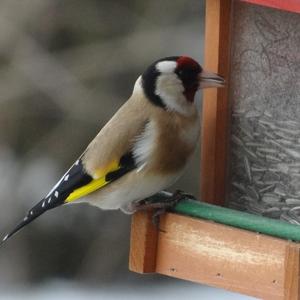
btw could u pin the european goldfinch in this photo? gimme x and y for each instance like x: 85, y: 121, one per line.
x: 143, y: 148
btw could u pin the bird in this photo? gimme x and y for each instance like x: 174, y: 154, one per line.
x: 143, y: 148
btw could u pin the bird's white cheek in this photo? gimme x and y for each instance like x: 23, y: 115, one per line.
x: 170, y: 89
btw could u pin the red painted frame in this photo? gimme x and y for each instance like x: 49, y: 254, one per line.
x: 289, y: 5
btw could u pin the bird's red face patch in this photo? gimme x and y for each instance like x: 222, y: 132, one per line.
x: 186, y: 62
x: 188, y: 70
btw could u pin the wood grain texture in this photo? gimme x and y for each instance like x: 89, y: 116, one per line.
x: 289, y: 5
x: 215, y: 118
x: 292, y: 276
x: 143, y: 242
x: 226, y: 257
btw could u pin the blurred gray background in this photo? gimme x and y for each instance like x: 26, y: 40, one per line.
x: 65, y: 68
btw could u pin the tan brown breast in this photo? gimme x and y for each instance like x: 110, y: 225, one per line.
x: 176, y: 140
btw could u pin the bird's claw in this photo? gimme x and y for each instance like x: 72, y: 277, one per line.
x: 161, y: 207
x: 181, y: 195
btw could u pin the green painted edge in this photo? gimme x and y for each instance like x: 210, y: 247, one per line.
x: 238, y: 219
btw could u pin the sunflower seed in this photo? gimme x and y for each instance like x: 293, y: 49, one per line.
x: 270, y: 199
x: 247, y: 168
x: 292, y: 201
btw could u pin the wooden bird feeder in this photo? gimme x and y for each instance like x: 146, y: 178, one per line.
x: 207, y: 242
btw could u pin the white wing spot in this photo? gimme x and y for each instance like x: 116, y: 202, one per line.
x: 49, y: 200
x: 141, y: 167
x: 25, y: 219
x: 61, y: 179
x: 77, y: 162
x: 5, y: 238
x: 31, y: 212
x: 66, y: 177
x: 43, y: 205
x: 56, y: 194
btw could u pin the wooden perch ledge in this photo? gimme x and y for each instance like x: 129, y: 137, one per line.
x: 204, y: 251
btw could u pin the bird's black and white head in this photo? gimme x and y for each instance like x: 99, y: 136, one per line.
x: 172, y: 82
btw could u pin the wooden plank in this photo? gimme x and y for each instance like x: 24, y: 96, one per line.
x: 289, y: 5
x: 291, y: 283
x: 215, y: 116
x: 226, y: 257
x: 238, y: 219
x: 143, y: 242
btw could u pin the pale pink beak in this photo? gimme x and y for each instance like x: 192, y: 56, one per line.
x: 210, y: 80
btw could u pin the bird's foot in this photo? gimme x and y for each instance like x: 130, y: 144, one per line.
x: 160, y: 207
x: 181, y: 195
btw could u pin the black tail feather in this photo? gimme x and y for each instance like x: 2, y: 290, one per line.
x: 75, y: 177
x: 36, y: 211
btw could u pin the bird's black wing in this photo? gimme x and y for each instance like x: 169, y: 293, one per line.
x: 75, y: 179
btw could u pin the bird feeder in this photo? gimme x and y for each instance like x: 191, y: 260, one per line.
x: 250, y: 161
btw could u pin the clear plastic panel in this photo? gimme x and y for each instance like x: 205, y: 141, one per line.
x: 264, y: 162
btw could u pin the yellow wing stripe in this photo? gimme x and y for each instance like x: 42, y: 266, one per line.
x: 95, y: 184
x: 87, y: 189
x: 113, y: 166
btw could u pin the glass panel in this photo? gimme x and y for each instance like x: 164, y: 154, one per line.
x: 265, y: 117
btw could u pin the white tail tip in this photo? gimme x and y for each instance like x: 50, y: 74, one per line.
x: 5, y: 238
